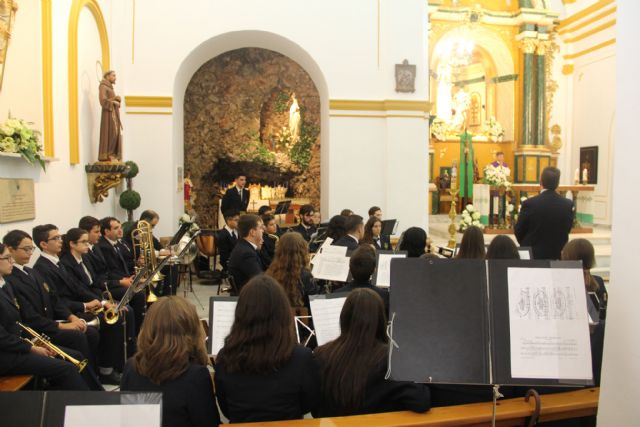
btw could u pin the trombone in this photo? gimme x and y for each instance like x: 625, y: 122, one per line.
x: 45, y: 342
x: 142, y: 241
x: 112, y: 314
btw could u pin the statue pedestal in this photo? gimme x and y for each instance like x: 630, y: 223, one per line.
x: 103, y: 176
x: 530, y: 160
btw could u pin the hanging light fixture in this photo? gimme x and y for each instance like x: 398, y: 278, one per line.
x: 8, y: 10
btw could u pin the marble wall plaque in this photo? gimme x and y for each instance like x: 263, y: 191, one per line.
x: 17, y: 200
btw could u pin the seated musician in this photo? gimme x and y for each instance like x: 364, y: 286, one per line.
x: 261, y: 373
x: 353, y: 366
x: 373, y: 236
x: 346, y: 212
x: 17, y: 356
x: 306, y: 227
x: 362, y: 264
x: 227, y: 237
x: 270, y: 238
x: 355, y: 231
x: 290, y: 267
x: 472, y: 244
x: 414, y: 242
x: 80, y: 277
x: 40, y: 306
x: 76, y: 299
x: 172, y: 359
x: 116, y: 269
x: 268, y: 210
x: 336, y: 228
x: 502, y: 247
x: 245, y: 261
x: 375, y: 211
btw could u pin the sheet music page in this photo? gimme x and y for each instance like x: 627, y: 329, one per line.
x: 383, y: 272
x: 223, y: 315
x: 112, y: 415
x: 548, y: 323
x: 326, y: 318
x: 331, y: 267
x: 524, y: 254
x: 326, y: 244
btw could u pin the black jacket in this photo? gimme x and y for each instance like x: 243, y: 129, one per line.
x: 225, y: 243
x: 231, y: 200
x: 285, y: 394
x: 11, y: 345
x: 70, y: 292
x: 40, y: 306
x: 348, y: 241
x: 244, y: 263
x: 384, y: 243
x: 384, y: 293
x: 268, y: 249
x: 74, y: 269
x: 306, y: 232
x: 100, y: 268
x: 187, y: 401
x: 544, y: 224
x: 116, y: 264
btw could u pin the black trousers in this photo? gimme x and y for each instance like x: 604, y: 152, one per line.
x: 60, y: 374
x: 112, y: 341
x: 138, y: 303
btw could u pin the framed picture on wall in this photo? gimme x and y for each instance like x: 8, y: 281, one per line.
x: 589, y: 165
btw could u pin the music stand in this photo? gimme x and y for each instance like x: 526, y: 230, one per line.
x: 389, y: 227
x: 282, y: 208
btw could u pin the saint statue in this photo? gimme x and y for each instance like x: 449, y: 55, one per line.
x: 110, y: 147
x: 461, y: 104
x: 294, y: 119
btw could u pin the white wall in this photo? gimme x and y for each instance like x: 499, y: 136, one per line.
x: 621, y: 365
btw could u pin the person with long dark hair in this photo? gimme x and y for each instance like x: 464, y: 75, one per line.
x: 353, y: 366
x: 373, y: 234
x: 290, y: 267
x: 414, y: 241
x: 261, y: 373
x: 502, y: 247
x: 472, y: 244
x: 172, y: 359
x: 336, y: 228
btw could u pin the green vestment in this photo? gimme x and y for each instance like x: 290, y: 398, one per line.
x: 466, y: 169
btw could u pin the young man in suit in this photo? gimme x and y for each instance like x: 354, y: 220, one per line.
x: 81, y: 300
x: 306, y: 226
x: 354, y: 226
x: 39, y: 304
x: 236, y: 197
x: 245, y: 262
x: 17, y: 356
x: 375, y: 211
x: 227, y: 237
x: 545, y: 221
x: 270, y: 238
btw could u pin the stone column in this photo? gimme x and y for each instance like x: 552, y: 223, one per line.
x: 528, y: 124
x: 541, y: 85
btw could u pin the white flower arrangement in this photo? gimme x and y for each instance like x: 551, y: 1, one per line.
x: 470, y: 216
x: 18, y: 136
x: 185, y: 218
x: 494, y: 129
x: 497, y: 176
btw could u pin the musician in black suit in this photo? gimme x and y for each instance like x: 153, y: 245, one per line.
x: 17, y: 356
x: 362, y: 265
x: 236, y: 197
x: 39, y: 304
x: 545, y: 220
x: 245, y: 262
x: 306, y: 227
x: 270, y: 239
x: 227, y: 237
x: 355, y: 231
x: 373, y: 236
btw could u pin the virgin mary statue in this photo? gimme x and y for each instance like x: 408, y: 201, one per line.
x: 294, y: 119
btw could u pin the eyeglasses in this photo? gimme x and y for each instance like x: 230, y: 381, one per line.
x: 5, y: 258
x: 56, y: 238
x: 27, y: 249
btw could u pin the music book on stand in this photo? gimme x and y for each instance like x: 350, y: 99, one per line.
x: 504, y: 322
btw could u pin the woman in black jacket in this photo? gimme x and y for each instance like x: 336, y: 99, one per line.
x: 353, y: 366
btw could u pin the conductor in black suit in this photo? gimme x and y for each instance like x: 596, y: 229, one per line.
x: 355, y: 232
x: 237, y: 197
x: 245, y: 261
x: 545, y: 220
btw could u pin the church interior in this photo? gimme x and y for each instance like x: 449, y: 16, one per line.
x: 178, y: 121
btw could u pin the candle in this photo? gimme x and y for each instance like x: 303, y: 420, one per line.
x: 585, y: 176
x: 576, y: 176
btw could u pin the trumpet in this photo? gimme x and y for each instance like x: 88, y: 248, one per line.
x: 45, y: 342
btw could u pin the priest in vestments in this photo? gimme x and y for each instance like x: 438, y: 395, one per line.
x: 466, y: 168
x: 110, y: 147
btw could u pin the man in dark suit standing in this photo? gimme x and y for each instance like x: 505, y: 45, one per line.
x: 355, y: 232
x: 237, y: 197
x: 306, y: 227
x: 245, y: 262
x: 545, y: 220
x: 227, y: 237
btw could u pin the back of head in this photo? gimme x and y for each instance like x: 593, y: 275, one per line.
x: 262, y: 336
x: 246, y: 223
x: 336, y: 228
x: 360, y: 351
x: 170, y: 340
x: 502, y: 247
x: 414, y: 241
x: 149, y: 215
x: 353, y: 223
x: 346, y: 212
x: 230, y: 213
x: 362, y: 263
x: 550, y: 178
x: 291, y: 258
x: 472, y: 244
x: 582, y: 250
x: 88, y: 222
x: 262, y: 210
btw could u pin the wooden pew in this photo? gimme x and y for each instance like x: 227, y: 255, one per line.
x: 15, y: 382
x: 510, y: 412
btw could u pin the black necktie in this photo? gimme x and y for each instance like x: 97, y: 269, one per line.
x: 124, y: 264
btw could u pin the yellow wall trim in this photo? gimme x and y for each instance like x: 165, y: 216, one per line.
x: 47, y: 80
x: 379, y: 116
x: 567, y: 69
x: 584, y: 13
x: 568, y: 1
x: 151, y: 113
x: 384, y: 105
x: 592, y: 31
x: 74, y: 16
x: 589, y: 21
x: 591, y: 49
x: 148, y: 101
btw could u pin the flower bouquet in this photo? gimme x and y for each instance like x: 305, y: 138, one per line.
x: 497, y: 176
x: 185, y: 218
x: 17, y: 136
x: 470, y: 216
x: 494, y: 129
